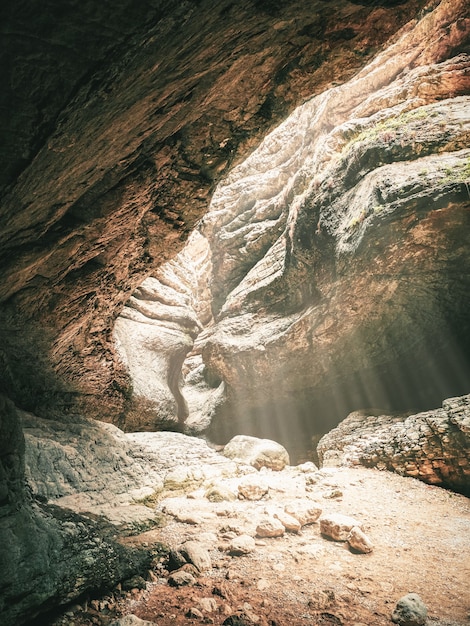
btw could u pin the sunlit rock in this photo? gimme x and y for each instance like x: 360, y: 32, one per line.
x: 338, y: 526
x: 305, y: 513
x: 359, y: 541
x: 432, y: 446
x: 244, y: 544
x: 257, y: 452
x: 196, y: 554
x: 270, y: 527
x: 336, y: 245
x: 289, y: 522
x: 253, y: 488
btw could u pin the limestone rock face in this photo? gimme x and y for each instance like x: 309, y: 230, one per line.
x: 432, y: 446
x: 117, y: 122
x: 339, y: 248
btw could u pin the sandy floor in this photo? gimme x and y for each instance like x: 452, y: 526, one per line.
x: 421, y: 537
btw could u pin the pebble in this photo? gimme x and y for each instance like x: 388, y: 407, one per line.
x: 410, y: 611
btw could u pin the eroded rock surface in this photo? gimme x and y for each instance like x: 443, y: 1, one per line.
x: 432, y: 446
x: 117, y: 122
x: 336, y: 257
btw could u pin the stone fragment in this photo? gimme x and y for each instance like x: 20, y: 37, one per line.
x: 208, y: 605
x: 257, y: 452
x: 305, y: 513
x: 220, y: 493
x: 176, y: 560
x: 181, y: 579
x: 194, y: 613
x: 196, y: 554
x: 253, y: 488
x: 244, y: 544
x: 410, y: 611
x: 337, y: 526
x: 359, y: 541
x: 131, y: 620
x: 288, y: 521
x: 270, y: 527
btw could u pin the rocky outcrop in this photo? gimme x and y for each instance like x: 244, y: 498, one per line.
x: 340, y: 247
x: 432, y: 446
x: 117, y: 122
x: 53, y: 553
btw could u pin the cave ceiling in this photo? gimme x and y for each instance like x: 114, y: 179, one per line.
x: 118, y: 120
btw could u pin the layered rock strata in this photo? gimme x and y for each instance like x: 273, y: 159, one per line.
x: 340, y: 247
x: 117, y: 121
x: 338, y: 252
x: 432, y: 446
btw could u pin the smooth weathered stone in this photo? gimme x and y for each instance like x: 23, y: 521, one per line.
x: 244, y: 544
x: 196, y: 554
x: 359, y: 541
x: 220, y: 493
x: 270, y: 527
x: 410, y: 611
x: 337, y: 526
x: 257, y: 452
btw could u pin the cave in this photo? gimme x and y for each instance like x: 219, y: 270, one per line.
x: 234, y: 310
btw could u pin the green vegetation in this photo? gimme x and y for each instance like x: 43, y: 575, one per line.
x: 387, y: 129
x: 458, y: 173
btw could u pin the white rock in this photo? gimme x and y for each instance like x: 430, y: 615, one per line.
x: 257, y: 452
x: 305, y: 513
x: 337, y: 526
x: 220, y: 493
x: 359, y: 541
x: 270, y: 527
x: 208, y: 605
x: 196, y: 554
x: 244, y: 544
x: 288, y: 521
x: 253, y: 487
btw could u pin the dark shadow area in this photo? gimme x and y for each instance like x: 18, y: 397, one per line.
x: 298, y: 421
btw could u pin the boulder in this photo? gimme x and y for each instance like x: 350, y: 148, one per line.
x: 257, y: 452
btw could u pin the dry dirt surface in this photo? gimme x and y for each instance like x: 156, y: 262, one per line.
x: 421, y: 538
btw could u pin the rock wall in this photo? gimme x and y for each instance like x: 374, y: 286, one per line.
x: 117, y: 122
x: 340, y: 246
x: 336, y: 257
x: 48, y: 555
x: 432, y: 446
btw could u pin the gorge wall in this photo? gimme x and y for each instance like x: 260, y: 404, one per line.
x: 330, y: 273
